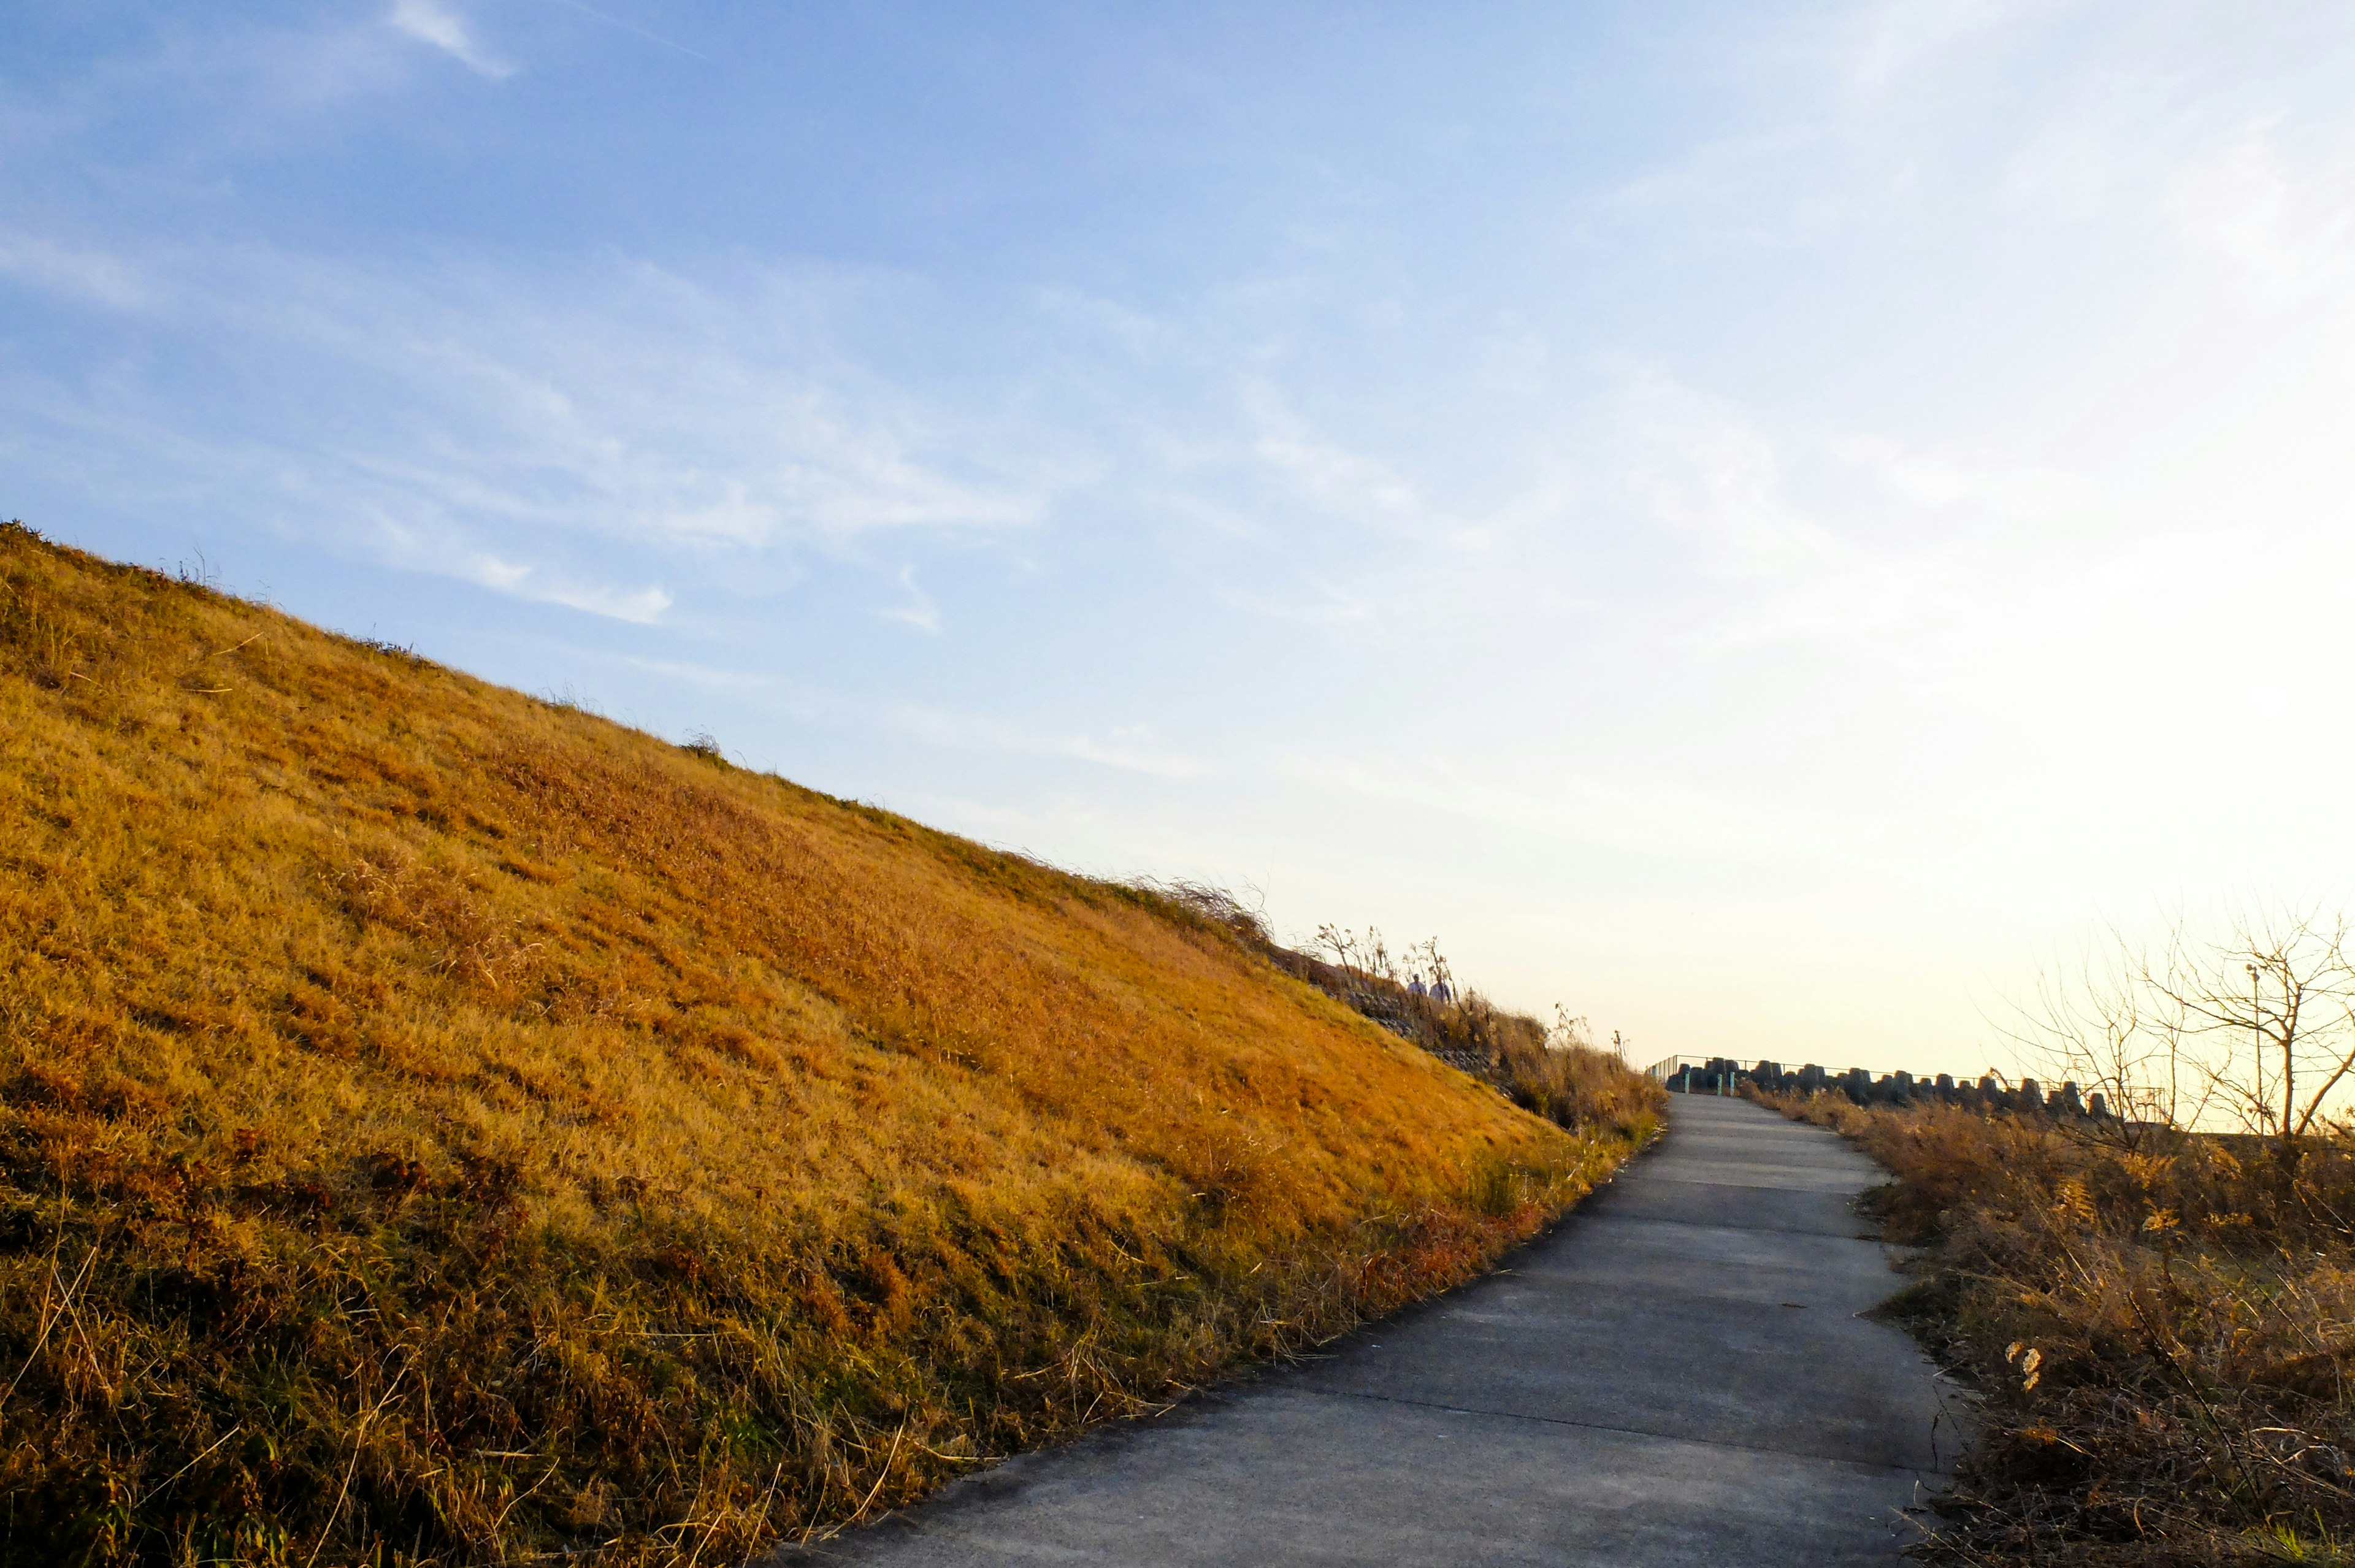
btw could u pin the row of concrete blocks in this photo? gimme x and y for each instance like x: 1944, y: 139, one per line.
x: 1724, y: 1074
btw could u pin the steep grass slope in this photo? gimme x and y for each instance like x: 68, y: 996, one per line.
x: 438, y: 1125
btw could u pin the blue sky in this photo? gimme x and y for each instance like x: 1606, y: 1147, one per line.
x: 1764, y: 524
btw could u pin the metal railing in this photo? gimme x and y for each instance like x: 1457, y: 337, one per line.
x: 1688, y: 1074
x: 1661, y: 1071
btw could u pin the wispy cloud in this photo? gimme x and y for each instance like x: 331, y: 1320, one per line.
x: 1717, y: 480
x: 612, y: 21
x: 1139, y: 748
x: 457, y: 414
x: 1130, y: 749
x: 433, y: 22
x: 1662, y: 820
x: 1351, y: 486
x: 1891, y: 38
x: 918, y: 612
x: 2286, y: 235
x: 643, y: 606
x: 88, y: 276
x: 1309, y: 601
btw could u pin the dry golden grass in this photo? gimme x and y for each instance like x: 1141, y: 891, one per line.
x: 2162, y: 1333
x: 438, y: 1125
x: 1557, y: 1073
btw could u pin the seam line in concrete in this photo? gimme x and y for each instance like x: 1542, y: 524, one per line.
x: 1622, y: 1431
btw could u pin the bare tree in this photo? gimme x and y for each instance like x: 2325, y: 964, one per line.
x: 2094, y: 1024
x: 2275, y: 1005
x: 2257, y: 1025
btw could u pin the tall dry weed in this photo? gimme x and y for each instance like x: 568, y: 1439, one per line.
x: 1554, y: 1072
x: 2162, y: 1333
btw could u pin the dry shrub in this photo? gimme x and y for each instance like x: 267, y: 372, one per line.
x: 1571, y: 1082
x: 2162, y: 1335
x: 439, y: 1126
x: 1555, y: 1073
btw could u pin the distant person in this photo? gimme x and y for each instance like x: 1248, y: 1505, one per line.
x: 1414, y: 987
x: 1438, y: 992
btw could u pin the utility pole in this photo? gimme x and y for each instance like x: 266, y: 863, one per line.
x: 2258, y: 1040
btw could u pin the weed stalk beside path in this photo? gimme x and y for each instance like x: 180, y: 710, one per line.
x: 2162, y: 1334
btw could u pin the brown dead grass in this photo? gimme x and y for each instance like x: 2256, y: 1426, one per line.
x: 1556, y: 1073
x: 441, y: 1127
x: 2164, y: 1335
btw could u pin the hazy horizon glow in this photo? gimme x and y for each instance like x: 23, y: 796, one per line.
x: 1763, y: 525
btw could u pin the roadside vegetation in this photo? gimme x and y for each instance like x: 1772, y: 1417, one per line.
x: 439, y: 1126
x: 2158, y: 1307
x: 1556, y: 1071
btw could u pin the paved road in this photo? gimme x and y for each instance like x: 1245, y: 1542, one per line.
x: 1676, y: 1376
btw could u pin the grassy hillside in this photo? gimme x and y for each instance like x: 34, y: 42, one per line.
x: 441, y: 1127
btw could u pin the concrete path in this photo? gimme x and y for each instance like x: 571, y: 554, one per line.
x: 1676, y: 1376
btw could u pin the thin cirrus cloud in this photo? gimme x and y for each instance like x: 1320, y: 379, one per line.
x: 919, y: 610
x: 644, y: 606
x: 468, y: 418
x: 2290, y: 240
x: 441, y: 26
x: 91, y: 276
x: 1134, y: 749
